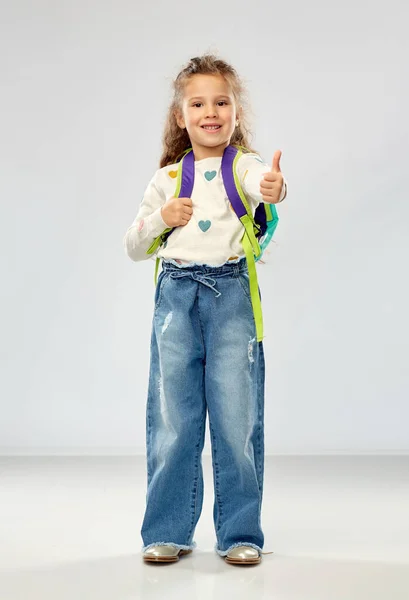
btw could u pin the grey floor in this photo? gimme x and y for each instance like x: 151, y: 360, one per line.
x: 338, y: 528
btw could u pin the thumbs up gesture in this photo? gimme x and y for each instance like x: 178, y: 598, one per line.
x: 272, y: 182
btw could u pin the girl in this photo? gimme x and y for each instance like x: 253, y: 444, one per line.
x: 204, y: 354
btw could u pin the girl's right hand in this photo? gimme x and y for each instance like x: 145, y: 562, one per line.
x: 177, y: 212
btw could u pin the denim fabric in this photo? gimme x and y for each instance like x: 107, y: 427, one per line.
x: 205, y: 360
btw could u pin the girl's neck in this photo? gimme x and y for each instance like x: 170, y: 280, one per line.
x: 202, y: 152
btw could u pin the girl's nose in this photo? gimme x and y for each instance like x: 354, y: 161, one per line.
x: 211, y: 112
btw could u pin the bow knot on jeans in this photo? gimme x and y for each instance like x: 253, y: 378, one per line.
x: 200, y: 277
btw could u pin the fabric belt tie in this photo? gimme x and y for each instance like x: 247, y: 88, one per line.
x: 198, y: 276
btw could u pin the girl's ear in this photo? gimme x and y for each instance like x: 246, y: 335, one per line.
x: 179, y: 119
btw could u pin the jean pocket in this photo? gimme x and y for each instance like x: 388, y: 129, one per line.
x: 162, y: 279
x: 245, y: 284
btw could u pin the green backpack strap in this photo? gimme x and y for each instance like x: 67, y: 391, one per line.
x: 254, y: 292
x: 248, y: 221
x: 251, y: 249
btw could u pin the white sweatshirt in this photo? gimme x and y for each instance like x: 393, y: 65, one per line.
x: 213, y: 234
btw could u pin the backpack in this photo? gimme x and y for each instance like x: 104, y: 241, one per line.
x: 258, y: 230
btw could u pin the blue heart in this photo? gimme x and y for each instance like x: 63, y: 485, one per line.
x: 204, y: 225
x: 210, y: 175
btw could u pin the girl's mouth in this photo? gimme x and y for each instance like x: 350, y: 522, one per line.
x: 211, y: 128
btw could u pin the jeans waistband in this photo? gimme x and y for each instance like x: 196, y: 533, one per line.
x: 204, y: 273
x: 222, y: 270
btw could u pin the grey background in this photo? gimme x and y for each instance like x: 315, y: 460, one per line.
x: 84, y: 91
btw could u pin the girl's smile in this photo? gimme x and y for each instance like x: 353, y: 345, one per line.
x: 211, y: 128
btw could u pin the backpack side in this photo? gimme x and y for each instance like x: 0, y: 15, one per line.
x: 265, y: 216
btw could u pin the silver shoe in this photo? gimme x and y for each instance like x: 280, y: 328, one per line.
x: 162, y: 553
x: 243, y: 555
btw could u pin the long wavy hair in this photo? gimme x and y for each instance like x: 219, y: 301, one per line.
x: 175, y: 139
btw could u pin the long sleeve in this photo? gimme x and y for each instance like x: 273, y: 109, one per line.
x: 251, y: 169
x: 148, y: 223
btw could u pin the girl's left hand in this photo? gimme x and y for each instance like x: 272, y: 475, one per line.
x: 272, y: 182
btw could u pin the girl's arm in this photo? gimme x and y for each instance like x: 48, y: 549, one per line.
x: 251, y: 169
x: 148, y: 223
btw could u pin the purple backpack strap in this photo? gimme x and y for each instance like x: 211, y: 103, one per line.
x: 188, y: 175
x: 187, y: 166
x: 188, y: 178
x: 228, y: 181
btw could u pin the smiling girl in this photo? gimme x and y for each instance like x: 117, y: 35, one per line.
x: 205, y: 355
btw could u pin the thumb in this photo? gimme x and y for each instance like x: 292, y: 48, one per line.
x: 276, y: 161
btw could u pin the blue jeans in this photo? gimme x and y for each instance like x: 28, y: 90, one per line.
x: 204, y: 359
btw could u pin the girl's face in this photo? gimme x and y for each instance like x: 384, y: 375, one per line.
x: 208, y: 100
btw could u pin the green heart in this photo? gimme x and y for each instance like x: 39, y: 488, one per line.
x: 210, y: 175
x: 204, y: 225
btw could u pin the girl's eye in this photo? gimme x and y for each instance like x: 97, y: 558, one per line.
x: 220, y: 101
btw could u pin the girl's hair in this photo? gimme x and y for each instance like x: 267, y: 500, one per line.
x: 176, y: 140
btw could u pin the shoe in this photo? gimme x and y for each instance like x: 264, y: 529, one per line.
x: 161, y: 553
x: 243, y: 555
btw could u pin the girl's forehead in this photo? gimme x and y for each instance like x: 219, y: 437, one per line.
x: 206, y: 85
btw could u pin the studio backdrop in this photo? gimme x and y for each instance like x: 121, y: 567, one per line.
x: 85, y: 88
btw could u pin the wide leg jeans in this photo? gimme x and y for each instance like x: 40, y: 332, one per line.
x: 205, y: 360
